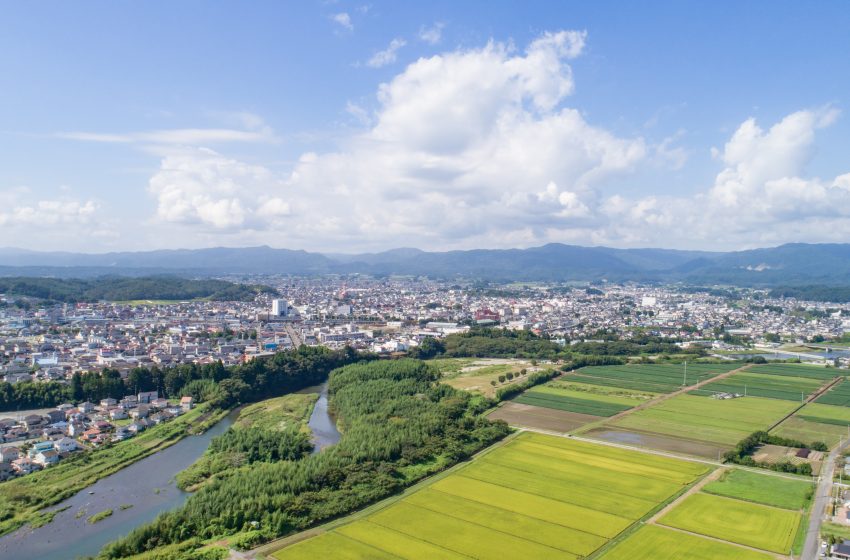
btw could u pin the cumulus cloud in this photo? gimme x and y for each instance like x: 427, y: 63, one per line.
x: 761, y: 195
x: 202, y: 187
x: 467, y: 145
x: 49, y: 213
x: 388, y: 55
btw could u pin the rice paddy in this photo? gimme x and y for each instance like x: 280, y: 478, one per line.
x: 763, y: 527
x: 767, y: 490
x: 535, y: 497
x: 705, y: 419
x: 575, y: 401
x: 652, y: 542
x: 795, y: 370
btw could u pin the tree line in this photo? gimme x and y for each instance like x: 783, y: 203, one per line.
x: 260, y: 378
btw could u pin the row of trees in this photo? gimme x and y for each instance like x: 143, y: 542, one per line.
x: 398, y: 425
x: 223, y: 386
x: 743, y: 451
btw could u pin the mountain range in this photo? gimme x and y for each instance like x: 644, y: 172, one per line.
x: 790, y: 264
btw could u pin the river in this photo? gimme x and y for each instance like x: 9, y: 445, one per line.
x: 147, y: 485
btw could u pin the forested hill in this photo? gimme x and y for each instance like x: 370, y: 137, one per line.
x: 73, y: 290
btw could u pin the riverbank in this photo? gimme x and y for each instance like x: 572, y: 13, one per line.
x: 23, y: 499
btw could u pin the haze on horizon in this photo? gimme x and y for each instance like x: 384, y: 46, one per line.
x: 344, y: 127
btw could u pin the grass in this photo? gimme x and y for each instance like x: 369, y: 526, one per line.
x: 762, y: 489
x: 100, y: 516
x: 278, y: 413
x: 838, y: 395
x: 624, y: 396
x: 651, y: 542
x: 583, y: 405
x: 763, y: 385
x: 817, y: 422
x: 536, y: 496
x: 736, y: 521
x: 723, y: 422
x: 796, y: 370
x: 21, y: 499
x: 653, y: 378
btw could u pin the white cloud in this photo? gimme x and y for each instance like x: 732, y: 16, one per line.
x: 432, y: 35
x: 467, y: 147
x: 202, y: 187
x: 343, y: 20
x: 388, y: 55
x: 48, y: 213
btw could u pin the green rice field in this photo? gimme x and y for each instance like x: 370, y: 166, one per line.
x: 536, y: 496
x: 817, y: 422
x: 796, y: 370
x: 762, y: 489
x: 575, y: 401
x: 717, y: 421
x: 763, y: 527
x: 763, y: 385
x: 838, y: 395
x: 652, y: 542
x: 655, y: 378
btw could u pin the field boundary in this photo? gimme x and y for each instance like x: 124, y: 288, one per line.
x: 814, y: 396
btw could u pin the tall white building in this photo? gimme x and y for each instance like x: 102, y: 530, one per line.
x: 280, y: 307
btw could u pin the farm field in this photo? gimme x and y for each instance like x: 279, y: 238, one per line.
x: 530, y: 416
x: 477, y: 374
x: 838, y: 395
x: 536, y: 496
x: 716, y: 421
x: 763, y: 527
x: 763, y: 385
x: 795, y: 370
x: 761, y: 489
x: 652, y: 542
x: 575, y: 401
x: 817, y: 422
x: 654, y: 378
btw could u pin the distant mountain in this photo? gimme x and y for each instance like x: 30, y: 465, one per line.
x: 793, y: 264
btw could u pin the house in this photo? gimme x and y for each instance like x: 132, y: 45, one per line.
x: 45, y: 458
x: 55, y: 416
x: 142, y: 411
x: 159, y: 403
x: 6, y: 471
x: 130, y: 401
x: 86, y: 407
x: 9, y: 454
x: 40, y: 447
x: 187, y: 403
x: 65, y: 445
x: 108, y: 402
x: 24, y: 465
x: 118, y: 414
x: 147, y: 397
x: 841, y: 550
x: 34, y: 421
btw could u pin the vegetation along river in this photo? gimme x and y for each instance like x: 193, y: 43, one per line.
x: 147, y: 487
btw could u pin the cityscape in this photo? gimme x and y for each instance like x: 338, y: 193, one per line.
x: 373, y: 280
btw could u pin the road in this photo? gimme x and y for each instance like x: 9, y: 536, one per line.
x: 822, y: 497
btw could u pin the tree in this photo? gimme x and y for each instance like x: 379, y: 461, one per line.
x: 501, y: 379
x: 77, y: 387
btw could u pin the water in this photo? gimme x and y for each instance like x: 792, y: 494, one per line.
x: 148, y: 485
x: 321, y: 423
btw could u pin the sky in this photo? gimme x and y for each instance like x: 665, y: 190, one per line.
x: 340, y: 126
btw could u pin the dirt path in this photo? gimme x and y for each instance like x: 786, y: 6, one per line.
x: 712, y: 476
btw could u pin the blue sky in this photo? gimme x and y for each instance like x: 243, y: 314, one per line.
x: 349, y: 126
